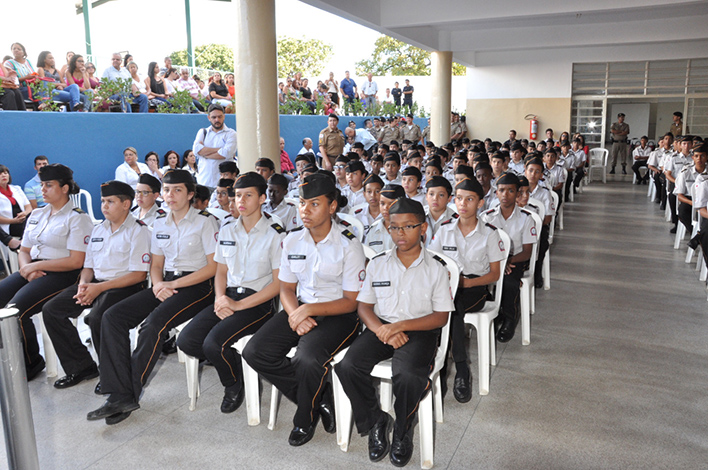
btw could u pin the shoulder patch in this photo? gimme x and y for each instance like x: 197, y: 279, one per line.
x: 267, y: 215
x: 345, y: 223
x: 349, y: 234
x: 161, y: 215
x: 358, y: 211
x: 78, y: 210
x: 296, y: 229
x: 290, y: 204
x: 440, y: 260
x: 379, y: 255
x: 161, y: 211
x: 278, y: 228
x: 448, y: 221
x: 455, y: 215
x: 490, y: 211
x: 491, y: 226
x: 206, y: 213
x: 140, y: 222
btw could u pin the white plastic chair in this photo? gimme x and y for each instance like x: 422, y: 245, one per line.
x: 696, y: 224
x: 651, y: 190
x: 680, y: 228
x: 76, y: 200
x: 50, y: 354
x: 357, y: 225
x: 546, y: 267
x: 383, y: 371
x: 483, y: 322
x: 357, y: 207
x: 598, y: 162
x: 528, y: 288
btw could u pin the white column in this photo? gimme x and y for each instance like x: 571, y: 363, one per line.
x: 441, y: 62
x: 256, y: 81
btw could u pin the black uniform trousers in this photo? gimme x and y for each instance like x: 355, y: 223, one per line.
x: 65, y: 337
x: 660, y: 183
x: 29, y: 298
x: 635, y: 168
x: 122, y: 374
x: 568, y: 183
x: 209, y: 337
x: 579, y: 175
x: 511, y: 288
x: 703, y: 238
x: 543, y: 246
x: 411, y: 366
x: 467, y: 300
x: 684, y: 215
x: 672, y: 201
x: 302, y: 378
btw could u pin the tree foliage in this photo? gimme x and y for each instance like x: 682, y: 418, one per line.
x: 308, y: 56
x: 210, y: 56
x: 394, y: 57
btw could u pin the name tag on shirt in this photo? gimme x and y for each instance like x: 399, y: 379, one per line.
x: 374, y: 243
x: 381, y: 284
x: 227, y: 243
x: 449, y: 248
x: 33, y: 222
x: 162, y: 236
x: 96, y: 240
x: 297, y: 257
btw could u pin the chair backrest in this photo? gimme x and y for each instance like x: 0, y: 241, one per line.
x: 368, y: 252
x: 357, y: 226
x: 694, y: 212
x: 598, y: 156
x: 551, y: 229
x: 88, y: 207
x: 217, y: 212
x: 454, y: 271
x: 506, y: 240
x: 534, y: 250
x: 541, y: 206
x: 357, y: 207
x: 292, y: 200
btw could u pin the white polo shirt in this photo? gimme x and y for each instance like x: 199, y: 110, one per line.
x: 187, y: 245
x: 115, y: 254
x: 472, y: 252
x: 54, y: 236
x: 519, y: 226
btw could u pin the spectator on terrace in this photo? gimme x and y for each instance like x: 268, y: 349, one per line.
x: 65, y: 67
x: 167, y: 67
x: 139, y: 86
x: 306, y: 95
x: 21, y: 65
x: 64, y: 93
x: 229, y: 77
x: 170, y: 161
x: 155, y: 85
x: 332, y: 88
x: 127, y: 60
x: 204, y: 89
x: 219, y: 92
x: 91, y: 71
x: 10, y: 95
x: 186, y: 83
x: 77, y: 75
x: 113, y: 73
x: 170, y: 77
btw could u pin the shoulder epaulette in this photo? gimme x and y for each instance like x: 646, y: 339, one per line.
x: 440, y: 260
x: 345, y: 223
x: 524, y: 211
x: 455, y: 215
x: 206, y: 213
x: 290, y: 204
x: 490, y: 211
x: 140, y: 222
x: 78, y: 210
x: 161, y: 211
x: 358, y: 211
x: 296, y: 229
x: 161, y: 215
x: 278, y: 228
x: 491, y: 226
x: 227, y: 222
x: 348, y: 234
x: 379, y: 255
x: 133, y: 208
x: 448, y: 221
x: 267, y: 215
x: 532, y: 205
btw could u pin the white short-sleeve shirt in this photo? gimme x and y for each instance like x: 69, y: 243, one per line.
x: 473, y: 252
x: 519, y: 226
x: 54, y: 236
x: 187, y: 245
x: 115, y: 254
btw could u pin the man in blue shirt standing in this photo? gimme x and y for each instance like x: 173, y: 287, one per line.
x: 114, y: 72
x: 348, y: 87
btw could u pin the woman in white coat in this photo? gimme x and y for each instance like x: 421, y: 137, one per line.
x: 131, y: 169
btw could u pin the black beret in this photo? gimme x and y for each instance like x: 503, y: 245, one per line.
x: 483, y: 166
x: 392, y: 157
x: 353, y: 156
x: 201, y: 193
x: 701, y: 148
x: 437, y: 181
x: 377, y: 158
x: 304, y: 157
x: 177, y: 176
x: 404, y: 205
x: 498, y: 155
x: 517, y: 146
x: 534, y: 161
x: 393, y: 191
x: 523, y: 181
x: 412, y: 171
x: 461, y: 155
x: 471, y: 184
x: 434, y: 163
x: 620, y: 115
x: 356, y: 165
x: 265, y: 163
x: 342, y: 159
x: 508, y: 178
x: 329, y: 174
x: 278, y: 180
x: 248, y: 180
x: 394, y: 142
x: 442, y: 152
x: 372, y: 178
x: 117, y: 188
x: 55, y: 171
x: 466, y: 170
x: 310, y: 168
x: 315, y: 185
x: 482, y: 157
x: 358, y: 145
x: 151, y: 181
x: 549, y: 150
x: 225, y: 182
x: 228, y: 167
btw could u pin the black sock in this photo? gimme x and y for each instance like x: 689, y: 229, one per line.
x: 463, y: 370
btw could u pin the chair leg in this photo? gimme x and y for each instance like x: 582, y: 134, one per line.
x: 492, y: 347
x: 253, y: 402
x: 483, y: 353
x: 386, y: 395
x: 50, y: 354
x: 191, y: 365
x: 680, y: 232
x: 546, y: 270
x: 437, y: 399
x: 525, y: 297
x: 343, y: 411
x: 427, y: 441
x: 560, y: 218
x: 704, y: 273
x: 274, y: 405
x: 699, y: 259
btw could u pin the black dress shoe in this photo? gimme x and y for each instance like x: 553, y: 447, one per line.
x: 110, y: 409
x: 401, y: 450
x: 300, y: 436
x: 463, y: 389
x: 379, y: 444
x: 612, y: 171
x: 117, y: 418
x: 506, y: 332
x: 232, y: 400
x: 624, y: 170
x: 98, y: 390
x: 33, y: 370
x: 170, y: 346
x: 75, y: 379
x: 673, y: 229
x: 694, y: 242
x: 328, y: 420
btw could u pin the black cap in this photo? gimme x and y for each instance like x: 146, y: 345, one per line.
x: 228, y: 167
x: 249, y: 180
x: 117, y: 188
x: 404, y: 205
x: 412, y: 171
x: 471, y: 184
x: 393, y: 191
x: 548, y: 150
x: 315, y: 185
x: 377, y: 158
x: 516, y: 146
x: 151, y: 181
x: 620, y: 115
x: 508, y: 178
x: 310, y: 168
x: 466, y: 170
x: 278, y: 180
x: 177, y: 176
x: 437, y: 181
x: 435, y: 164
x: 265, y: 163
x: 55, y: 171
x: 342, y: 159
x: 392, y: 157
x: 701, y: 148
x: 304, y: 157
x: 358, y: 145
x: 356, y: 165
x: 461, y: 155
x: 443, y: 153
x: 372, y: 178
x: 483, y: 166
x: 533, y: 161
x: 523, y: 181
x: 225, y: 183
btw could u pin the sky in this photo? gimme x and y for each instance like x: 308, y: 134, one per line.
x: 152, y: 29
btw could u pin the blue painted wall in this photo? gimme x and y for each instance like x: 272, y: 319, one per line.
x: 92, y: 143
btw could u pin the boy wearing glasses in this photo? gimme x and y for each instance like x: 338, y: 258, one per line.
x: 146, y: 196
x: 406, y: 329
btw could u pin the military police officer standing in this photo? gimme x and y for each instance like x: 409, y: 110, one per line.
x: 620, y: 131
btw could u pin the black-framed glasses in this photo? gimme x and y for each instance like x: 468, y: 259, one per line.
x: 405, y: 228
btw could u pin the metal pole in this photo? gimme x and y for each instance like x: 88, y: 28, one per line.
x: 87, y: 28
x: 20, y: 440
x: 190, y: 50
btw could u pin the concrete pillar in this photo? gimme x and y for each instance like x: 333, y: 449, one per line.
x: 256, y: 81
x: 441, y: 62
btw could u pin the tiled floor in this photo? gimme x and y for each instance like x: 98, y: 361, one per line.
x: 615, y: 377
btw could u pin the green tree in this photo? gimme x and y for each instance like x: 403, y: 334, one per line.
x: 210, y: 56
x: 308, y: 56
x: 394, y: 57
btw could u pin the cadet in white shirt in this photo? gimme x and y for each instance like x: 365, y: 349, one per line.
x: 701, y: 201
x: 182, y: 272
x: 655, y: 162
x: 213, y: 145
x: 411, y: 289
x: 516, y: 164
x: 392, y: 165
x: 672, y: 168
x: 51, y: 256
x: 321, y: 270
x: 248, y: 262
x: 437, y: 192
x: 410, y: 180
x: 684, y: 182
x: 370, y: 212
x: 116, y: 266
x: 534, y: 170
x: 520, y: 227
x: 354, y: 191
x: 146, y: 195
x: 276, y: 204
x: 641, y: 157
x: 378, y: 238
x: 477, y: 249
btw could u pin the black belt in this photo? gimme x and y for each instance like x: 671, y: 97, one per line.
x: 470, y: 276
x: 239, y: 291
x: 172, y: 275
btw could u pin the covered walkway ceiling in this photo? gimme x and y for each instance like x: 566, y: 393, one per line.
x: 470, y: 27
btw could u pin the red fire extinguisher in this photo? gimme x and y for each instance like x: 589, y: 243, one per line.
x: 533, y: 126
